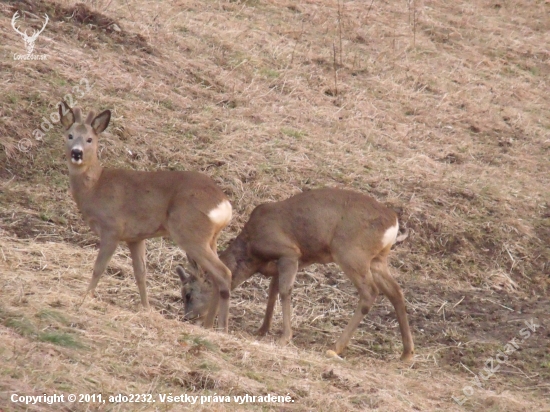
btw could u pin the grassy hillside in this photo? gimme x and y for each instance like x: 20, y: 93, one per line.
x: 439, y: 109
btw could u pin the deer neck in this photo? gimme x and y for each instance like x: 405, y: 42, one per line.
x: 83, y: 180
x: 238, y: 260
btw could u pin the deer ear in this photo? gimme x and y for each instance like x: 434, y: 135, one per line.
x: 184, y: 277
x: 101, y: 121
x: 66, y: 115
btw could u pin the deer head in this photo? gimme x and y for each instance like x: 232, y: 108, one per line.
x: 81, y: 137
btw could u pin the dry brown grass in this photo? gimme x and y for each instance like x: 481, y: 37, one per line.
x: 450, y: 128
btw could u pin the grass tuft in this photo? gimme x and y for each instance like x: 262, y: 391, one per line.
x: 61, y: 339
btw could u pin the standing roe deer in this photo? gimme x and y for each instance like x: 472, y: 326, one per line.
x: 317, y: 226
x: 131, y: 206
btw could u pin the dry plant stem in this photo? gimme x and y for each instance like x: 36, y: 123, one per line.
x: 129, y: 9
x: 83, y: 299
x: 295, y: 45
x: 340, y: 31
x: 335, y: 69
x: 414, y: 23
x: 370, y: 7
x: 394, y: 40
x: 107, y: 6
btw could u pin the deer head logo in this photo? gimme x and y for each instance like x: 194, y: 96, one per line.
x: 29, y: 40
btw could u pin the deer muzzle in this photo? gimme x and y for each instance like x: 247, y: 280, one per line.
x: 76, y: 156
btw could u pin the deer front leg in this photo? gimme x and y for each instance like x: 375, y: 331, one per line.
x: 137, y: 251
x: 361, y: 276
x: 271, y: 299
x: 288, y: 267
x: 208, y: 322
x: 107, y: 248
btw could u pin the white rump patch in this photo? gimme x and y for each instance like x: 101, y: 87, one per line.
x: 221, y: 214
x: 390, y: 235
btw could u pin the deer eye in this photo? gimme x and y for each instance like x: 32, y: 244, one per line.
x: 89, y: 140
x: 188, y: 297
x: 70, y: 137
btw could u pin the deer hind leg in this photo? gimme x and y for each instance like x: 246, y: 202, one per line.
x: 389, y: 287
x: 271, y: 299
x: 358, y: 271
x: 137, y: 251
x: 215, y: 297
x: 214, y: 243
x: 213, y: 307
x: 107, y: 248
x: 197, y: 236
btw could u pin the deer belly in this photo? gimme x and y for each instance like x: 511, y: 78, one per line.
x: 144, y: 231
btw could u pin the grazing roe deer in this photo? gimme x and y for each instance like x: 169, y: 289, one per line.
x: 131, y: 206
x: 317, y: 226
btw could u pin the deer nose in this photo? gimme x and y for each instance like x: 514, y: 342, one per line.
x: 76, y: 154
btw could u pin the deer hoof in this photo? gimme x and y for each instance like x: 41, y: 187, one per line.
x: 282, y: 341
x: 331, y: 354
x: 262, y: 331
x: 407, y: 357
